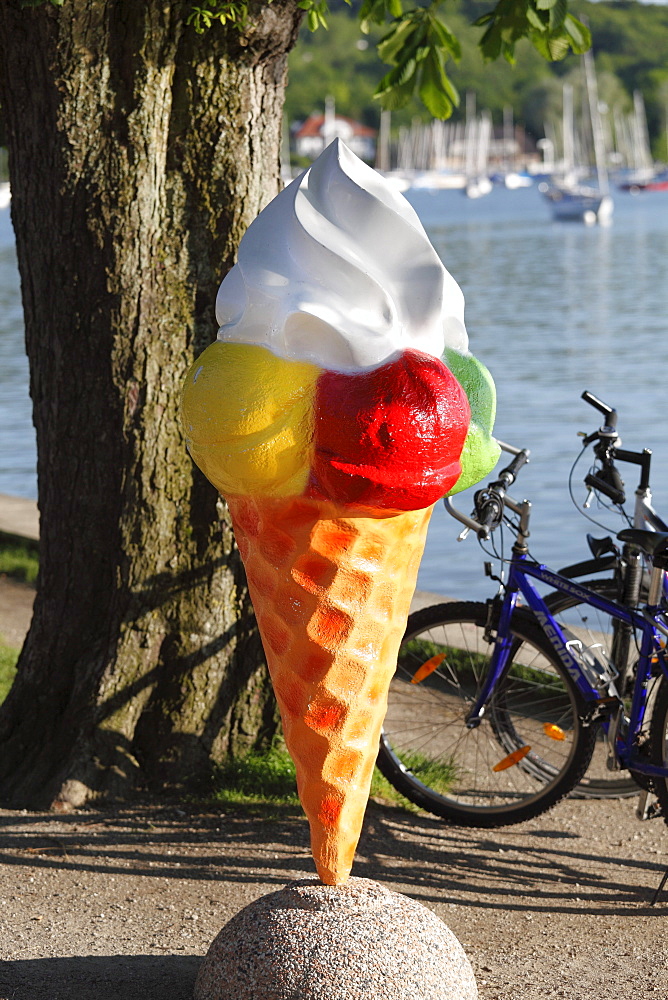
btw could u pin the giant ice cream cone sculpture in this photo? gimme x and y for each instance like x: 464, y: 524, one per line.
x: 325, y: 415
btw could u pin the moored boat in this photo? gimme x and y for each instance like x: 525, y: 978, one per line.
x: 578, y: 203
x: 570, y: 198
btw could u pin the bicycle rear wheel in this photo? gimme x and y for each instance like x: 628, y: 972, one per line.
x: 658, y: 743
x: 595, y: 628
x: 531, y: 747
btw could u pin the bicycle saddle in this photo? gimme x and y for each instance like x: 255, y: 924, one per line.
x: 653, y: 543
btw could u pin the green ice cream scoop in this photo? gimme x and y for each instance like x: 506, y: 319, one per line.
x: 481, y: 452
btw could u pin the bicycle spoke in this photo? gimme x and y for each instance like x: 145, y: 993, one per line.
x: 430, y: 748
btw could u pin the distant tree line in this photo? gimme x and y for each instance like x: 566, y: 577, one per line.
x: 630, y: 44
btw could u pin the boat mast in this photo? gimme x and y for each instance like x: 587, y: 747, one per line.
x: 383, y: 147
x: 596, y: 124
x: 567, y: 128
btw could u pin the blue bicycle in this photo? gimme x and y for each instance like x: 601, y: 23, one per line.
x: 495, y: 707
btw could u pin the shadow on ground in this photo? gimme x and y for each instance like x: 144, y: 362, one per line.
x: 113, y: 977
x: 529, y: 869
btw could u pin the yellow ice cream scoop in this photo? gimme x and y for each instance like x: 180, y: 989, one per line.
x: 248, y: 418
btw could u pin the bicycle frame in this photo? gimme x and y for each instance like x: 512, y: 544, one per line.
x: 650, y: 622
x: 644, y: 516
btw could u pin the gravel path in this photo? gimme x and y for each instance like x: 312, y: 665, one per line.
x: 16, y: 600
x: 104, y: 905
x: 122, y: 904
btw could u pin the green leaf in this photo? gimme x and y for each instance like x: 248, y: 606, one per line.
x: 535, y: 20
x: 200, y: 19
x: 558, y: 15
x: 398, y: 77
x: 579, y: 34
x: 550, y: 48
x: 437, y: 70
x: 434, y: 99
x: 546, y: 23
x: 490, y: 43
x: 378, y: 11
x: 404, y: 72
x: 394, y: 96
x: 446, y: 38
x: 392, y: 43
x: 451, y: 90
x: 436, y: 92
x: 509, y: 54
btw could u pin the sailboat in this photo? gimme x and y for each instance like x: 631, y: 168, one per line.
x: 641, y: 174
x: 570, y: 199
x: 477, y: 139
x: 510, y: 176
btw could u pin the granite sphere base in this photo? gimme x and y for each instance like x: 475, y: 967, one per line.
x: 359, y: 941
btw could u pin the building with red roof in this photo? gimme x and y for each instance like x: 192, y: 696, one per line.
x: 313, y: 135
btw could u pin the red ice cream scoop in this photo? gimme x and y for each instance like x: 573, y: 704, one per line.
x: 389, y: 438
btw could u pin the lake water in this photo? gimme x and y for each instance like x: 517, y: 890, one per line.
x: 17, y: 436
x: 551, y: 308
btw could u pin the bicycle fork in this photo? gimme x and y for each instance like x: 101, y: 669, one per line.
x: 503, y: 640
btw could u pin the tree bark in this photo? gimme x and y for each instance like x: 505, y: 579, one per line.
x: 139, y: 154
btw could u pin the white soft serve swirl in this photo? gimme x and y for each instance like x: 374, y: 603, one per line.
x: 338, y: 271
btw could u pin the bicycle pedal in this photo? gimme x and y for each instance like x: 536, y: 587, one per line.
x: 648, y: 806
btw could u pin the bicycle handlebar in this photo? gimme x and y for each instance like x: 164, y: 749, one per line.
x: 608, y: 482
x: 489, y: 503
x: 598, y: 404
x: 508, y: 475
x: 607, y: 479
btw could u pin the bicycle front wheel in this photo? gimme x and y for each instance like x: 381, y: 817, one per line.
x: 531, y: 746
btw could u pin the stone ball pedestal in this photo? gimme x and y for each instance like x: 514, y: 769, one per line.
x: 358, y: 941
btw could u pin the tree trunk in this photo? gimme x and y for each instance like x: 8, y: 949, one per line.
x: 139, y: 154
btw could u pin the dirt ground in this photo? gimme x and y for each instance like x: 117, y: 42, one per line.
x: 112, y: 905
x: 16, y: 600
x: 122, y: 903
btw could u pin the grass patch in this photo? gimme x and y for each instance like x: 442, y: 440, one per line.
x: 459, y: 663
x: 18, y: 561
x: 8, y: 657
x: 257, y: 780
x: 265, y: 784
x: 382, y: 791
x: 438, y: 774
x: 464, y: 667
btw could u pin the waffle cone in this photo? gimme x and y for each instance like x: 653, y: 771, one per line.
x: 331, y: 594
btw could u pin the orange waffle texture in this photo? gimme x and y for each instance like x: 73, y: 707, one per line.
x: 331, y: 593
